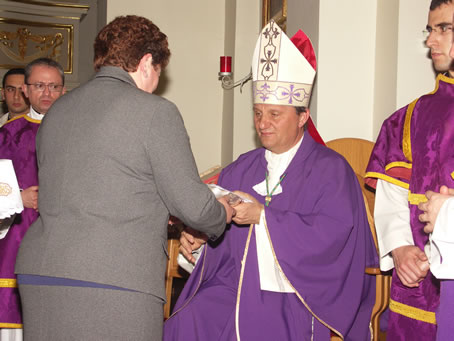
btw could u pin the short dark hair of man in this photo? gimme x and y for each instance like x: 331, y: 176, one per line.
x: 44, y: 62
x: 437, y: 3
x: 15, y: 71
x: 125, y: 40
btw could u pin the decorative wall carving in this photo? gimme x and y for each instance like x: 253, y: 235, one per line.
x: 34, y: 29
x: 21, y: 42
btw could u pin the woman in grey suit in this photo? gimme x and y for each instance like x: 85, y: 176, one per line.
x: 114, y: 162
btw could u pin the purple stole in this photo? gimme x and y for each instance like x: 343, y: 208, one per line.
x: 415, y: 150
x: 17, y: 142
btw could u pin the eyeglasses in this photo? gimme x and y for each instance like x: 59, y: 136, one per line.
x: 41, y: 87
x: 441, y: 29
x: 11, y: 89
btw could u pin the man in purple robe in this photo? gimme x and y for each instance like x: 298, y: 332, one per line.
x: 44, y: 83
x: 298, y: 271
x: 412, y: 155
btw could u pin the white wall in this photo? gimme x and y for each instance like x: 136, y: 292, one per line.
x: 371, y: 61
x: 247, y: 30
x: 415, y: 75
x: 195, y: 30
x: 346, y: 68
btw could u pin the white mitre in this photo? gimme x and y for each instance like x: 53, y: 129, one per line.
x: 281, y: 74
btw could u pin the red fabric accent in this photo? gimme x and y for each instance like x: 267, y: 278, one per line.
x: 314, y: 132
x: 395, y: 172
x: 213, y: 180
x: 399, y: 172
x: 371, y: 182
x: 304, y: 45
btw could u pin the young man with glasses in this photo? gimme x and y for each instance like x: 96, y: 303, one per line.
x: 44, y: 83
x: 404, y: 164
x: 12, y: 95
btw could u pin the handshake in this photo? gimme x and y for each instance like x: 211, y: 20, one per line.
x: 240, y: 207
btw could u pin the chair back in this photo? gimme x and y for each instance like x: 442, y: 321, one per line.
x: 355, y: 151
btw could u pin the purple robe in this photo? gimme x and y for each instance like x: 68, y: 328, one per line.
x: 17, y: 143
x: 322, y: 241
x: 415, y: 151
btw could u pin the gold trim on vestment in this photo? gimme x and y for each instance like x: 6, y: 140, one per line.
x: 406, y: 140
x: 14, y: 118
x: 11, y: 325
x: 398, y: 164
x: 8, y: 283
x: 198, y: 284
x: 240, y: 284
x: 412, y: 312
x: 442, y: 77
x: 387, y: 178
x: 452, y: 175
x: 29, y: 119
x: 415, y: 198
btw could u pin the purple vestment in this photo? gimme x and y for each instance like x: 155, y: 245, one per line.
x: 415, y: 150
x: 321, y: 238
x: 17, y: 143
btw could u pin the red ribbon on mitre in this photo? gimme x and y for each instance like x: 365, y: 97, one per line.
x: 304, y: 45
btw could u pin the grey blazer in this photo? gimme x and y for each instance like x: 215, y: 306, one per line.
x: 114, y: 161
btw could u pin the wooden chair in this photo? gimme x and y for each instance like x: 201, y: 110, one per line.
x: 173, y: 245
x: 357, y: 153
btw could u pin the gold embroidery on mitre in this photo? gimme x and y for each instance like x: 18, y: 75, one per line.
x: 5, y: 189
x: 281, y: 93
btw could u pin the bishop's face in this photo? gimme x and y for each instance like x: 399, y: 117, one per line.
x: 279, y: 127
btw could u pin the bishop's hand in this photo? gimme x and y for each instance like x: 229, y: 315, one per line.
x: 247, y: 212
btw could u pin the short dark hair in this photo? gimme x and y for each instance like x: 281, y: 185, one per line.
x: 124, y: 41
x: 16, y: 71
x: 299, y: 110
x: 44, y: 62
x: 437, y: 3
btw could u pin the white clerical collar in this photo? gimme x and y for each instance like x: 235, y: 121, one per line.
x: 277, y: 164
x: 34, y: 114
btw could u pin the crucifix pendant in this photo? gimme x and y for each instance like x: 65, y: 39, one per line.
x: 267, y: 200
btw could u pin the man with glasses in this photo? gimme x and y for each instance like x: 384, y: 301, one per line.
x: 403, y: 166
x: 13, y: 96
x: 44, y: 83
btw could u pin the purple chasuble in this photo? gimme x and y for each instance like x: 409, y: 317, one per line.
x: 321, y: 238
x: 17, y: 143
x: 415, y: 150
